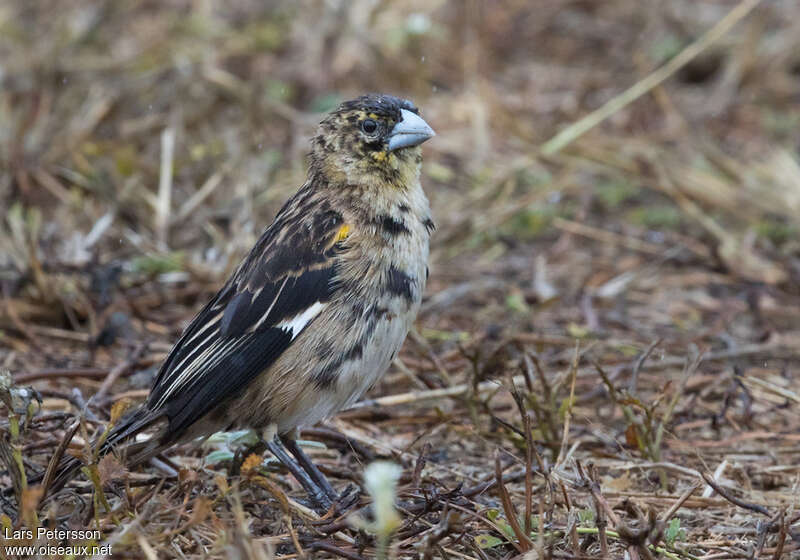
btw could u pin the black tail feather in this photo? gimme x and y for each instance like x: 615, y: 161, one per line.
x: 132, y: 453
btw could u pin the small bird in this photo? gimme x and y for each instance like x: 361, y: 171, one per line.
x: 316, y: 312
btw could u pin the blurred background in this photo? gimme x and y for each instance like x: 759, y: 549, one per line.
x: 174, y: 130
x: 144, y: 145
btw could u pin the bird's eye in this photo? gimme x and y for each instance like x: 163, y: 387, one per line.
x: 369, y: 126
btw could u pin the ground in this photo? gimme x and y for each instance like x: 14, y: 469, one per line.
x: 612, y: 323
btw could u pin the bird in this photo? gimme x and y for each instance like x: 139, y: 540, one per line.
x: 316, y: 312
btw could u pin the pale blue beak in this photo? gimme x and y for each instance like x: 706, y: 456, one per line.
x: 411, y: 130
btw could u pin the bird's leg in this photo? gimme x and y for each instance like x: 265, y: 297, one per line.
x: 310, y: 468
x: 317, y: 494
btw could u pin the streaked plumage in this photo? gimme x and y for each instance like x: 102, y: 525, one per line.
x: 319, y: 308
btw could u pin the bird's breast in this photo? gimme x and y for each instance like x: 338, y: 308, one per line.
x: 381, y: 272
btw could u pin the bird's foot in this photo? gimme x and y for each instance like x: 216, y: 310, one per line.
x: 321, y: 494
x: 321, y: 503
x: 348, y: 498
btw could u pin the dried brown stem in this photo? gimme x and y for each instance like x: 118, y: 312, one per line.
x: 524, y: 542
x: 733, y: 499
x: 58, y: 453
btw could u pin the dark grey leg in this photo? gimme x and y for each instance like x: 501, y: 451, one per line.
x: 318, y: 495
x: 310, y: 468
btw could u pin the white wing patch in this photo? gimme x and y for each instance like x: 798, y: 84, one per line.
x: 196, y: 360
x: 297, y: 323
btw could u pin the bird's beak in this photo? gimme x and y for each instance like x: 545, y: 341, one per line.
x: 410, y: 131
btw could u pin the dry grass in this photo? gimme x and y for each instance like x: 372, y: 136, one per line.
x: 612, y: 329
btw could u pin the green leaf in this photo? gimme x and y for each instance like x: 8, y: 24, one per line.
x: 246, y: 438
x: 506, y: 528
x: 614, y: 193
x: 487, y: 541
x: 218, y: 456
x: 586, y: 516
x: 566, y: 404
x: 577, y: 331
x: 158, y: 263
x: 674, y: 532
x: 311, y: 443
x: 516, y: 302
x: 530, y: 223
x: 502, y: 524
x: 662, y: 216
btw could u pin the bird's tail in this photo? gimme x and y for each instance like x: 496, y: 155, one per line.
x: 131, y: 453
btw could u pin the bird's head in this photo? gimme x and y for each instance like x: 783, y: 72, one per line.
x: 371, y: 140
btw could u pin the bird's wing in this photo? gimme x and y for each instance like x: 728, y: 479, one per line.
x: 286, y: 281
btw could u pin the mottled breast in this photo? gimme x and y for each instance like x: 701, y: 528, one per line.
x: 381, y: 277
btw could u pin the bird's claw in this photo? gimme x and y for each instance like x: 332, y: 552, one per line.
x: 321, y: 502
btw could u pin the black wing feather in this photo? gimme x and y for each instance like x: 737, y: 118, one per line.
x: 239, y: 306
x: 229, y: 377
x: 242, y: 331
x: 181, y: 348
x: 276, y: 301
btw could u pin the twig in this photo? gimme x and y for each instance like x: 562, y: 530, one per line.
x: 434, y: 536
x: 295, y: 538
x: 18, y: 323
x: 568, y: 411
x: 56, y: 458
x: 333, y: 549
x: 345, y: 443
x: 733, y: 499
x: 52, y: 373
x: 117, y: 371
x: 607, y: 237
x: 577, y: 129
x: 488, y: 386
x: 781, y: 536
x: 680, y: 501
x: 83, y: 406
x: 571, y: 530
x: 718, y: 472
x: 163, y: 202
x: 662, y: 524
x: 639, y: 363
x: 528, y: 474
x: 772, y: 388
x: 422, y: 459
x: 201, y: 194
x: 146, y: 547
x: 525, y: 543
x: 601, y: 506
